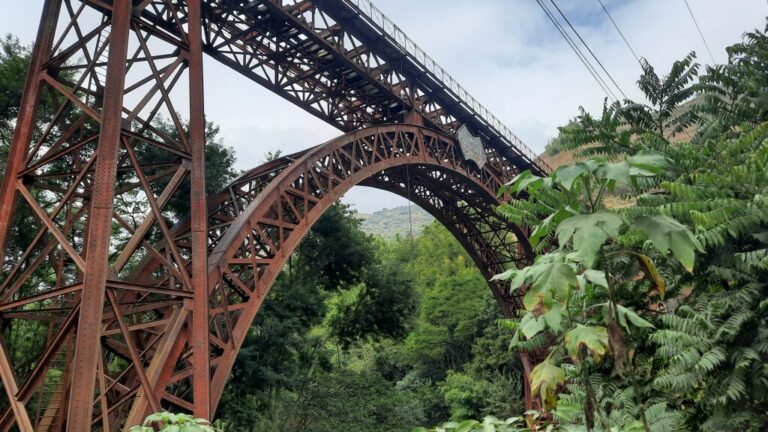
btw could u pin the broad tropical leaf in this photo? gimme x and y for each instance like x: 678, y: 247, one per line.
x: 666, y: 233
x: 589, y: 232
x: 545, y: 378
x: 594, y: 339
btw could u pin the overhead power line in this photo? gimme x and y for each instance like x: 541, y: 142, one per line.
x: 588, y: 48
x: 616, y: 26
x: 706, y: 45
x: 577, y: 51
x: 584, y: 60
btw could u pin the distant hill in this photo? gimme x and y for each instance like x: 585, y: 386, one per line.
x: 388, y: 223
x: 564, y: 157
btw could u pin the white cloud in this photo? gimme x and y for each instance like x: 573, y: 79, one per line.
x: 505, y: 52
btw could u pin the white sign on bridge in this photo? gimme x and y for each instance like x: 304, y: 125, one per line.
x: 471, y: 146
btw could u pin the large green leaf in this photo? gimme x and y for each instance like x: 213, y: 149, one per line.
x: 555, y: 278
x: 554, y: 317
x: 628, y: 314
x: 588, y: 233
x: 596, y: 277
x: 625, y: 316
x: 538, y: 300
x: 548, y: 225
x: 174, y: 423
x: 523, y: 181
x: 505, y: 275
x: 468, y: 426
x: 567, y: 175
x: 549, y: 273
x: 668, y: 234
x: 647, y: 163
x: 531, y: 326
x: 618, y: 172
x: 593, y: 338
x: 545, y: 378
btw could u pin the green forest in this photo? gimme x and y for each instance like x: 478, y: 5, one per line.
x: 646, y: 308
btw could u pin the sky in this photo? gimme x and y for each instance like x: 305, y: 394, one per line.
x: 506, y: 54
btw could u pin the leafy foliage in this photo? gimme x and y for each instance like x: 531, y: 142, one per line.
x: 555, y: 145
x: 280, y: 352
x: 655, y: 311
x: 170, y: 422
x: 382, y: 307
x: 489, y: 424
x: 337, y: 248
x: 219, y: 162
x: 14, y: 61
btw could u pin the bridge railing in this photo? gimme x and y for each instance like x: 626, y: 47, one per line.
x: 409, y: 46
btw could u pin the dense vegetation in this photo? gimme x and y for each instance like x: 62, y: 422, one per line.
x: 653, y: 316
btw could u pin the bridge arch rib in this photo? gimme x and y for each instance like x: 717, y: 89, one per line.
x: 257, y: 222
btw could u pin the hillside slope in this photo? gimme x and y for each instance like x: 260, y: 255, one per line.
x: 389, y: 223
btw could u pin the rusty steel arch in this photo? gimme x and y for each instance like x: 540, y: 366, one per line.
x: 259, y: 220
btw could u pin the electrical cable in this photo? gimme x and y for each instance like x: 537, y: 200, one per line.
x: 706, y: 45
x: 587, y: 64
x: 588, y: 48
x: 408, y: 185
x: 616, y: 26
x: 592, y: 71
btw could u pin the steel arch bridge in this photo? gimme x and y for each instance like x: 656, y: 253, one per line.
x: 132, y: 308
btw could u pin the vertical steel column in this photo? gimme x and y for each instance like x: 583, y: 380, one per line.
x: 17, y: 153
x: 88, y: 342
x: 199, y: 218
